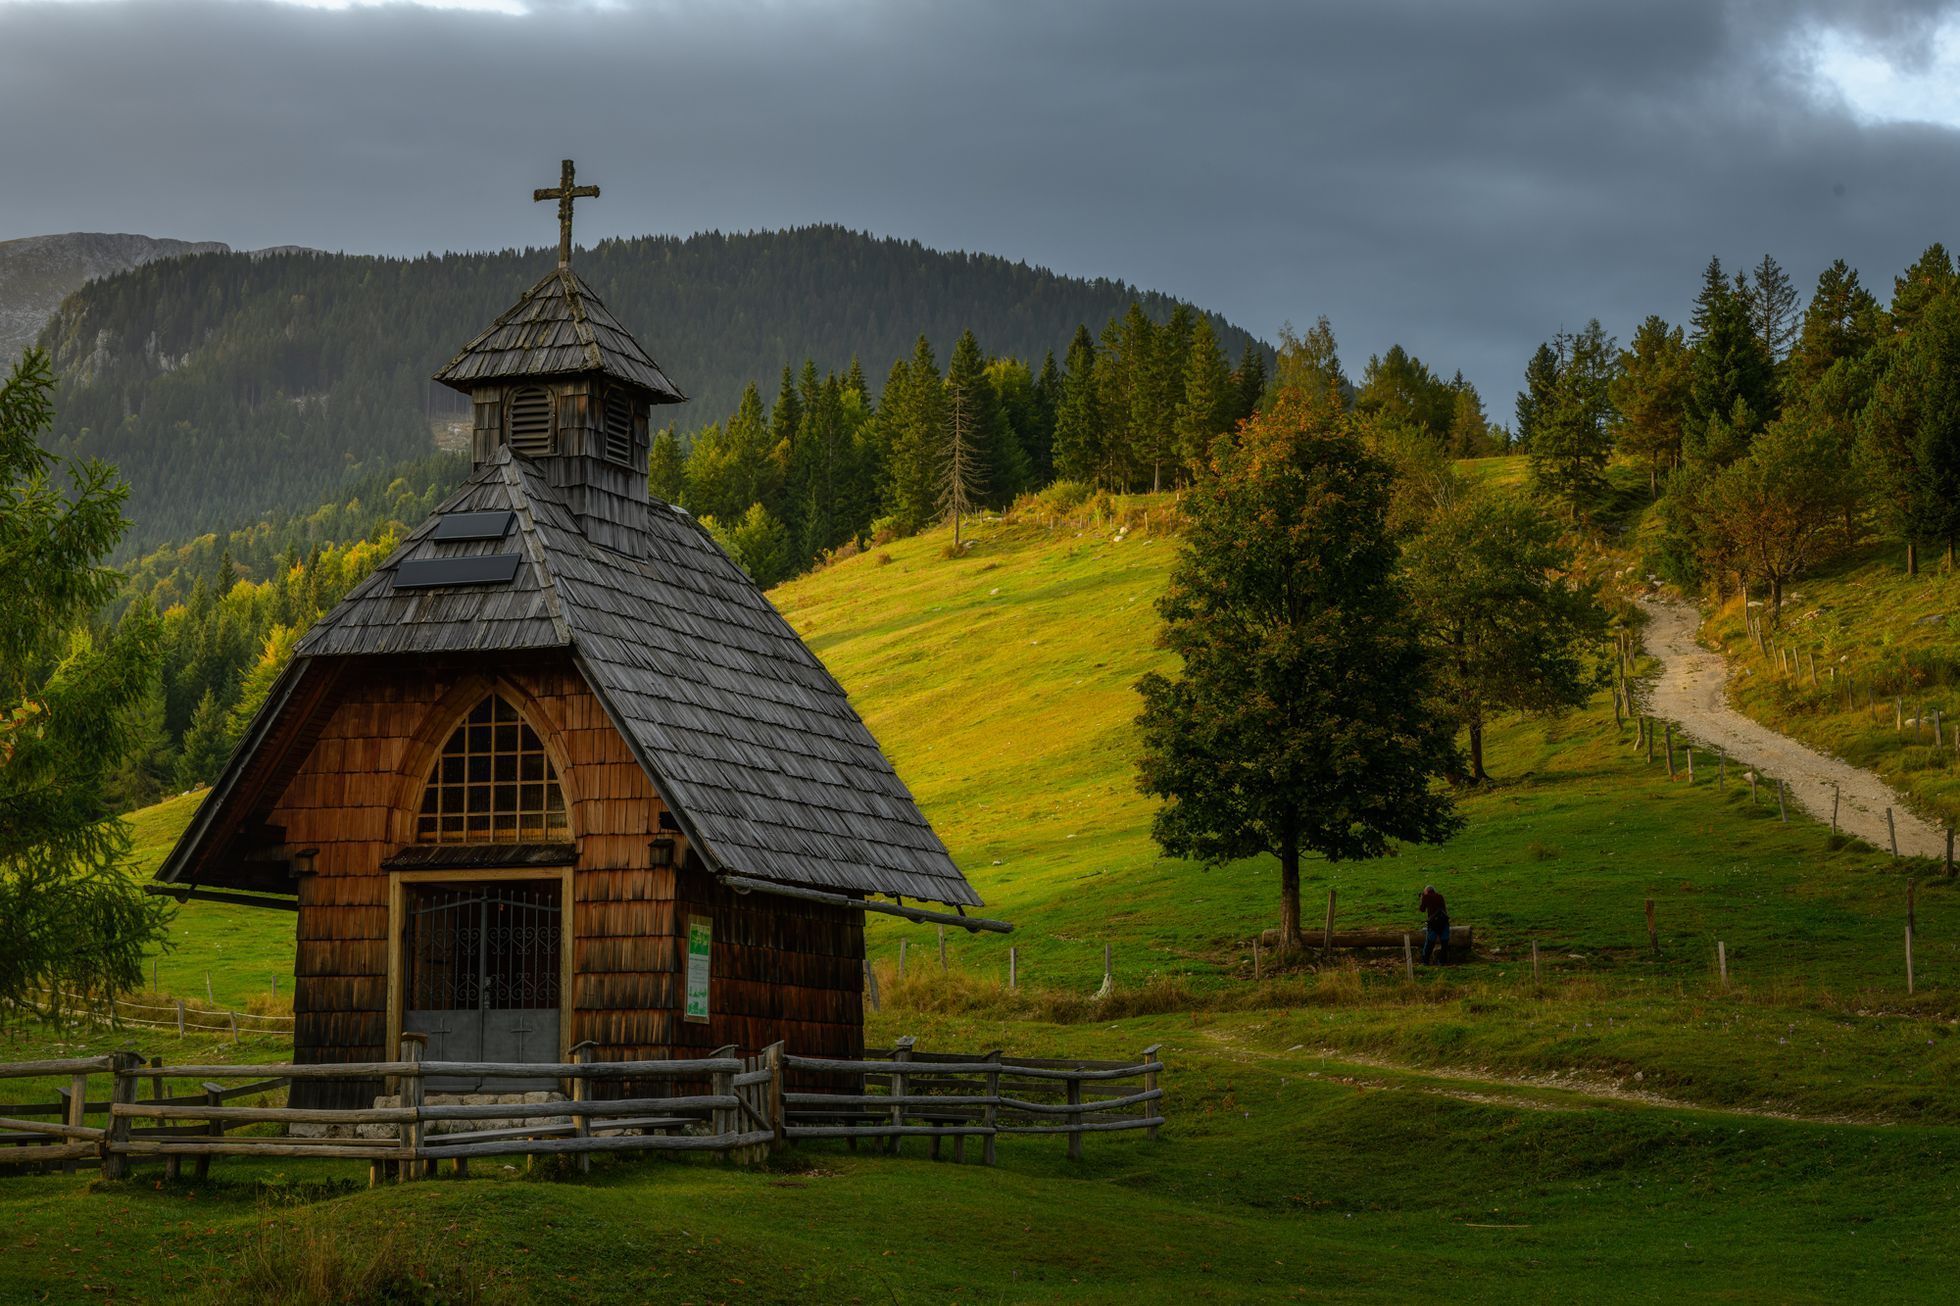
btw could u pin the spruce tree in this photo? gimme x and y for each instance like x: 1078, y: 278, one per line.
x: 71, y: 708
x: 1729, y: 363
x: 1540, y: 381
x: 1773, y: 308
x: 1206, y: 404
x: 1571, y: 441
x: 1039, y: 437
x: 1078, y: 416
x: 1248, y: 384
x: 666, y: 467
x: 1650, y: 397
x: 1842, y: 321
x: 916, y: 425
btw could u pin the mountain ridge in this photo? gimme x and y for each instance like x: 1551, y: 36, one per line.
x: 38, y: 272
x: 229, y: 384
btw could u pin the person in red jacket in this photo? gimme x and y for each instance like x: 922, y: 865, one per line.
x: 1437, y: 935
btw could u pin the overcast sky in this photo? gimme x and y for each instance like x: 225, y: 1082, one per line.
x: 1464, y: 178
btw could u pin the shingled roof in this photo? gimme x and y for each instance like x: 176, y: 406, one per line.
x: 743, y: 732
x: 558, y: 328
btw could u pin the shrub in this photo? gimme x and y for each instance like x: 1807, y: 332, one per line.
x: 289, y: 1260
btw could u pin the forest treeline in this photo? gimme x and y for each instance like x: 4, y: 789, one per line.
x: 1775, y: 432
x: 828, y: 466
x: 223, y: 386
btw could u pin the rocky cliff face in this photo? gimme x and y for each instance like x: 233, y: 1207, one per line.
x: 38, y: 272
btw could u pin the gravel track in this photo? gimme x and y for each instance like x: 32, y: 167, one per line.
x: 1689, y: 692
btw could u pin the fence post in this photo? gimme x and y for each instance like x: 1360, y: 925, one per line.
x: 725, y: 1120
x: 1782, y: 813
x: 1836, y: 794
x: 942, y: 947
x: 1892, y: 832
x: 1013, y: 966
x: 582, y: 1092
x: 1109, y: 971
x: 412, y: 1045
x: 1650, y: 737
x: 1327, y: 934
x: 901, y: 959
x: 1721, y: 770
x: 77, y: 1109
x: 901, y: 1051
x: 871, y: 983
x: 1667, y: 731
x: 126, y: 1066
x: 991, y: 1116
x: 772, y: 1057
x: 1722, y: 960
x: 1150, y: 1085
x: 1409, y: 958
x: 214, y: 1095
x: 180, y: 1017
x: 1075, y: 1119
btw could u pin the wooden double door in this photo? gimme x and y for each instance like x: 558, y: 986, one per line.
x: 483, y: 967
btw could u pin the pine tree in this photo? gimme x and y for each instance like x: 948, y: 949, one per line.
x: 1078, y: 414
x: 1039, y: 436
x: 961, y: 473
x: 666, y: 467
x: 1911, y: 428
x: 1930, y: 277
x: 1301, y: 719
x: 1773, y: 308
x: 1207, y: 401
x: 76, y: 920
x: 1248, y: 384
x: 999, y: 468
x: 1729, y: 363
x: 1571, y: 441
x: 1650, y: 397
x: 1540, y: 381
x: 915, y: 420
x: 1842, y: 321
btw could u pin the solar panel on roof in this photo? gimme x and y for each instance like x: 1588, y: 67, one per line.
x: 429, y: 573
x: 473, y: 525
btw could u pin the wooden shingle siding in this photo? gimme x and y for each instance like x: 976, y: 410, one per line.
x: 782, y: 968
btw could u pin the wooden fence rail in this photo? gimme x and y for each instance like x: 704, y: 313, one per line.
x: 743, y: 1112
x: 736, y: 1118
x: 906, y: 1093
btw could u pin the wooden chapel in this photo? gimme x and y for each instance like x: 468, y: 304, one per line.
x: 557, y: 772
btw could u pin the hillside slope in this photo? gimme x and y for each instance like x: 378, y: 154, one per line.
x: 227, y: 385
x: 38, y: 272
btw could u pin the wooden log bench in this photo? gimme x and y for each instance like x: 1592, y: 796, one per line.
x: 1385, y: 937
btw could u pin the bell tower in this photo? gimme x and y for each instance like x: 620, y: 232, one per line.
x: 558, y: 380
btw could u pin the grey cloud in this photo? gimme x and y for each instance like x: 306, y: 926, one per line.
x: 1462, y: 179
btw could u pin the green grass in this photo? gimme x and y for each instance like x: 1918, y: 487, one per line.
x: 1885, y: 632
x: 1344, y: 1135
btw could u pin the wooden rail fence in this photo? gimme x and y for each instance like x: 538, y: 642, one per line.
x: 743, y: 1112
x: 907, y: 1093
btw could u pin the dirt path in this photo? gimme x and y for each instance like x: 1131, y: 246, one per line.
x: 1689, y: 692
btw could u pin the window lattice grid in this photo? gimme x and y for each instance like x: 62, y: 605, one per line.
x: 530, y: 421
x: 492, y: 783
x: 619, y: 427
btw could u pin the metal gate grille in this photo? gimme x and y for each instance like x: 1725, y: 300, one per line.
x: 483, y: 973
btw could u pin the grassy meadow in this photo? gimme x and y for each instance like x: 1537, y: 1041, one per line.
x: 1621, y: 1124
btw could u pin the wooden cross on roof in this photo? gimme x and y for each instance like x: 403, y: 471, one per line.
x: 565, y: 192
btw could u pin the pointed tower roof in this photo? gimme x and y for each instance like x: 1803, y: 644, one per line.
x: 559, y: 328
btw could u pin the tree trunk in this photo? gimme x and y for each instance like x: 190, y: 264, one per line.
x: 1477, y: 772
x: 1912, y: 558
x: 1776, y: 600
x: 1289, y: 890
x: 1654, y: 479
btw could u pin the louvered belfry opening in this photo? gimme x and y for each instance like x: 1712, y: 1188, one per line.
x: 530, y: 421
x: 492, y: 783
x: 619, y: 426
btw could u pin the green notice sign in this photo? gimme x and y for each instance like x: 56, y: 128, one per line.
x: 700, y: 946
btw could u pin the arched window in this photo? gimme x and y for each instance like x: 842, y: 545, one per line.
x: 530, y: 421
x: 619, y: 426
x: 492, y: 783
